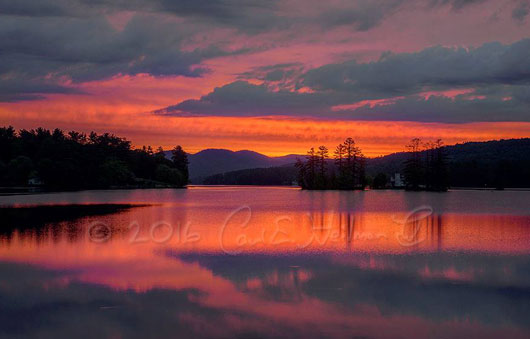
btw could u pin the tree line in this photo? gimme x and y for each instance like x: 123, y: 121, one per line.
x: 492, y: 164
x: 75, y: 160
x: 426, y: 167
x: 346, y: 171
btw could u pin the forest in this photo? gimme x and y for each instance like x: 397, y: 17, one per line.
x: 424, y: 169
x: 430, y: 165
x: 73, y: 160
x: 426, y: 166
x: 348, y: 172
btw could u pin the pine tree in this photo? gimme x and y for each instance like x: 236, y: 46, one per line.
x: 429, y: 175
x: 339, y: 155
x: 350, y: 168
x: 413, y: 167
x: 362, y: 171
x: 180, y: 160
x: 441, y: 178
x: 311, y: 168
x: 323, y: 155
x: 301, y: 173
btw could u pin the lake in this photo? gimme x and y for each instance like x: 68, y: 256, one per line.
x: 265, y: 262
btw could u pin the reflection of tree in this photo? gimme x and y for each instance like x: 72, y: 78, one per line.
x: 280, y: 284
x: 350, y: 228
x: 335, y: 227
x: 295, y: 273
x: 51, y: 222
x: 420, y: 230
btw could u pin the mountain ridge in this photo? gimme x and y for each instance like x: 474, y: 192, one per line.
x: 212, y: 161
x: 475, y: 163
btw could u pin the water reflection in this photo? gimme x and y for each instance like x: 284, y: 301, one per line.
x: 302, y: 265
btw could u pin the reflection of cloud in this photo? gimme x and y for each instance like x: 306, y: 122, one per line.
x: 331, y: 298
x: 268, y: 296
x: 458, y: 287
x: 137, y: 289
x: 44, y: 307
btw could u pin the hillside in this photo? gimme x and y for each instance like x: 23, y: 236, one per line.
x: 276, y: 176
x: 503, y: 163
x: 214, y: 161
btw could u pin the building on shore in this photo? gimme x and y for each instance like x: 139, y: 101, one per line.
x: 397, y: 181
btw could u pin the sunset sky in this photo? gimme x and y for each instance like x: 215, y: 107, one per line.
x: 272, y: 76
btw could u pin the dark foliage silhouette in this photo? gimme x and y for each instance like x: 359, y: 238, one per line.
x: 74, y: 160
x: 346, y: 172
x: 426, y: 167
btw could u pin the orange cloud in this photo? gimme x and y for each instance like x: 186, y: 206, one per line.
x: 271, y: 136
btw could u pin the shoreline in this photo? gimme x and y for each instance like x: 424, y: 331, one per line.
x: 8, y: 191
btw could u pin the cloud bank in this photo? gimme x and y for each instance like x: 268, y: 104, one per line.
x: 437, y: 84
x: 55, y: 46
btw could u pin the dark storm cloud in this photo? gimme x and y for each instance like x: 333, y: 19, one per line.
x: 435, y: 68
x: 462, y: 108
x: 86, y: 49
x: 498, y: 74
x: 20, y: 89
x: 520, y: 12
x: 249, y: 16
x: 283, y: 73
x: 39, y: 8
x: 48, y: 43
x: 241, y: 98
x: 246, y: 15
x: 364, y: 16
x: 456, y: 4
x: 45, y: 52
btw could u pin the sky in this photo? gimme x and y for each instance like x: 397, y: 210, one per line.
x: 277, y: 77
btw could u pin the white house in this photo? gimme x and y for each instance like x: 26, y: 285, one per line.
x: 397, y: 181
x: 35, y: 181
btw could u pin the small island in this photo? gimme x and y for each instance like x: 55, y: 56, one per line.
x: 425, y: 168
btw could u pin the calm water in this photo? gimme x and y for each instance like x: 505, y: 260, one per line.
x: 265, y: 262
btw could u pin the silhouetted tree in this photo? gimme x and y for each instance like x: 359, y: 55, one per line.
x: 180, y: 160
x: 115, y: 172
x: 311, y: 168
x: 413, y: 166
x: 339, y: 155
x: 426, y: 168
x: 8, y: 140
x: 350, y: 168
x: 19, y: 169
x: 323, y: 155
x: 349, y: 162
x: 361, y: 176
x: 173, y: 176
x: 301, y: 177
x: 380, y: 181
x: 440, y: 167
x: 74, y: 160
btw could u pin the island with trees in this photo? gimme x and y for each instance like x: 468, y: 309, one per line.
x: 57, y: 160
x: 425, y: 168
x: 429, y: 166
x: 346, y: 173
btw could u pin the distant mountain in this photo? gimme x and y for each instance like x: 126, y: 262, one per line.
x: 499, y: 163
x: 276, y: 176
x: 215, y: 161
